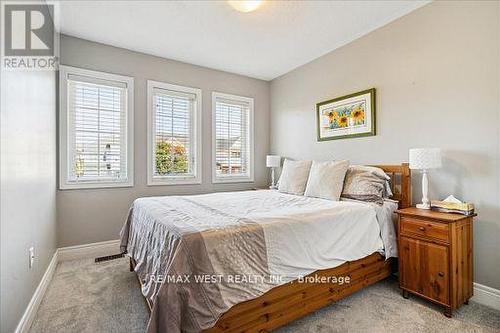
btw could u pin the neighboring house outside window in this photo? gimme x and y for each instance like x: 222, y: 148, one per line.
x: 232, y: 131
x: 96, y: 129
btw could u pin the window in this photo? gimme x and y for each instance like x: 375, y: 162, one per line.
x: 232, y: 144
x: 96, y: 129
x: 174, y: 134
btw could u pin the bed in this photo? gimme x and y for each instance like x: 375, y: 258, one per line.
x: 256, y: 260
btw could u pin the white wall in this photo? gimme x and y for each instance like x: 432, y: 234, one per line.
x: 86, y: 216
x: 436, y: 72
x: 28, y: 187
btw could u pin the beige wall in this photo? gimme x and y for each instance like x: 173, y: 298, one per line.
x: 28, y: 187
x: 86, y: 216
x: 436, y: 72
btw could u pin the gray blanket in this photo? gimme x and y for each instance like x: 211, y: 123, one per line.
x: 165, y: 239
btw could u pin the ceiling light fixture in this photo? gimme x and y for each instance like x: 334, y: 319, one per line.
x: 245, y: 6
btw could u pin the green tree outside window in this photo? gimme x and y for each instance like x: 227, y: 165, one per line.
x: 171, y: 158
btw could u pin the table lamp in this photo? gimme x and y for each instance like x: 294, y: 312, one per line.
x: 273, y: 161
x: 425, y: 159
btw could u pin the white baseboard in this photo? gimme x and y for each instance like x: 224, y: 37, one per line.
x: 30, y: 313
x: 88, y: 251
x: 486, y: 295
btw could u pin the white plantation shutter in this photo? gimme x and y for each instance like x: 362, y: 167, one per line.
x: 172, y: 124
x: 173, y: 114
x: 98, y: 129
x: 95, y: 122
x: 233, y: 147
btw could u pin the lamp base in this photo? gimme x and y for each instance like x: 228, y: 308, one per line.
x: 273, y: 187
x: 423, y: 206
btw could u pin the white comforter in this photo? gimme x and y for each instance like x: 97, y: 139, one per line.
x: 305, y: 234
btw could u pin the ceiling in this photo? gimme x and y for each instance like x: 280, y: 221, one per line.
x: 264, y: 44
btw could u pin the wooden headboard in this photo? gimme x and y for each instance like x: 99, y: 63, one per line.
x: 400, y: 182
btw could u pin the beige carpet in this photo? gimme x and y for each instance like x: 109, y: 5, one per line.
x: 88, y: 297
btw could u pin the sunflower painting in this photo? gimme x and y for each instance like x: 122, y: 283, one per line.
x: 347, y: 116
x: 352, y: 115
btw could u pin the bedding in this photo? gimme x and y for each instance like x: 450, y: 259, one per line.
x: 246, y: 242
x: 366, y: 183
x: 294, y: 177
x: 326, y: 179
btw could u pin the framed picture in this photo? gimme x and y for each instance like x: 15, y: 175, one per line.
x: 347, y: 116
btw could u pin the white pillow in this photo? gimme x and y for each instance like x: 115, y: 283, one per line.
x: 294, y: 176
x: 326, y: 179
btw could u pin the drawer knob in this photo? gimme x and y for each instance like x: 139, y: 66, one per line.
x: 421, y: 228
x: 441, y: 274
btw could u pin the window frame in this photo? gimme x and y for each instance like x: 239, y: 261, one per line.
x: 64, y: 183
x: 233, y: 179
x: 197, y: 141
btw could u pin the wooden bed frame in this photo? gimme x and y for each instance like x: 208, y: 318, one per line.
x: 400, y: 182
x: 293, y: 300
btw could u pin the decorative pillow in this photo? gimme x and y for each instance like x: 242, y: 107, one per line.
x: 326, y: 179
x: 366, y: 183
x: 294, y: 176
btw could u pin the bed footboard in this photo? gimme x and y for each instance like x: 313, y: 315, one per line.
x: 293, y: 300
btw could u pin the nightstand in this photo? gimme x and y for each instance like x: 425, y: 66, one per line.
x: 435, y: 256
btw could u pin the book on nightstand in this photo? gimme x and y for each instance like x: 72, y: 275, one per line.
x: 452, y: 205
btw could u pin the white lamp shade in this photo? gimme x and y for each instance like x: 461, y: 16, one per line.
x: 425, y: 158
x: 273, y: 161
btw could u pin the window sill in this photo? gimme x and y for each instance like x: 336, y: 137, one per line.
x: 232, y: 180
x: 169, y: 182
x: 94, y: 186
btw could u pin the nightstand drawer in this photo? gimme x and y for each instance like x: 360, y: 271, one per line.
x: 425, y: 229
